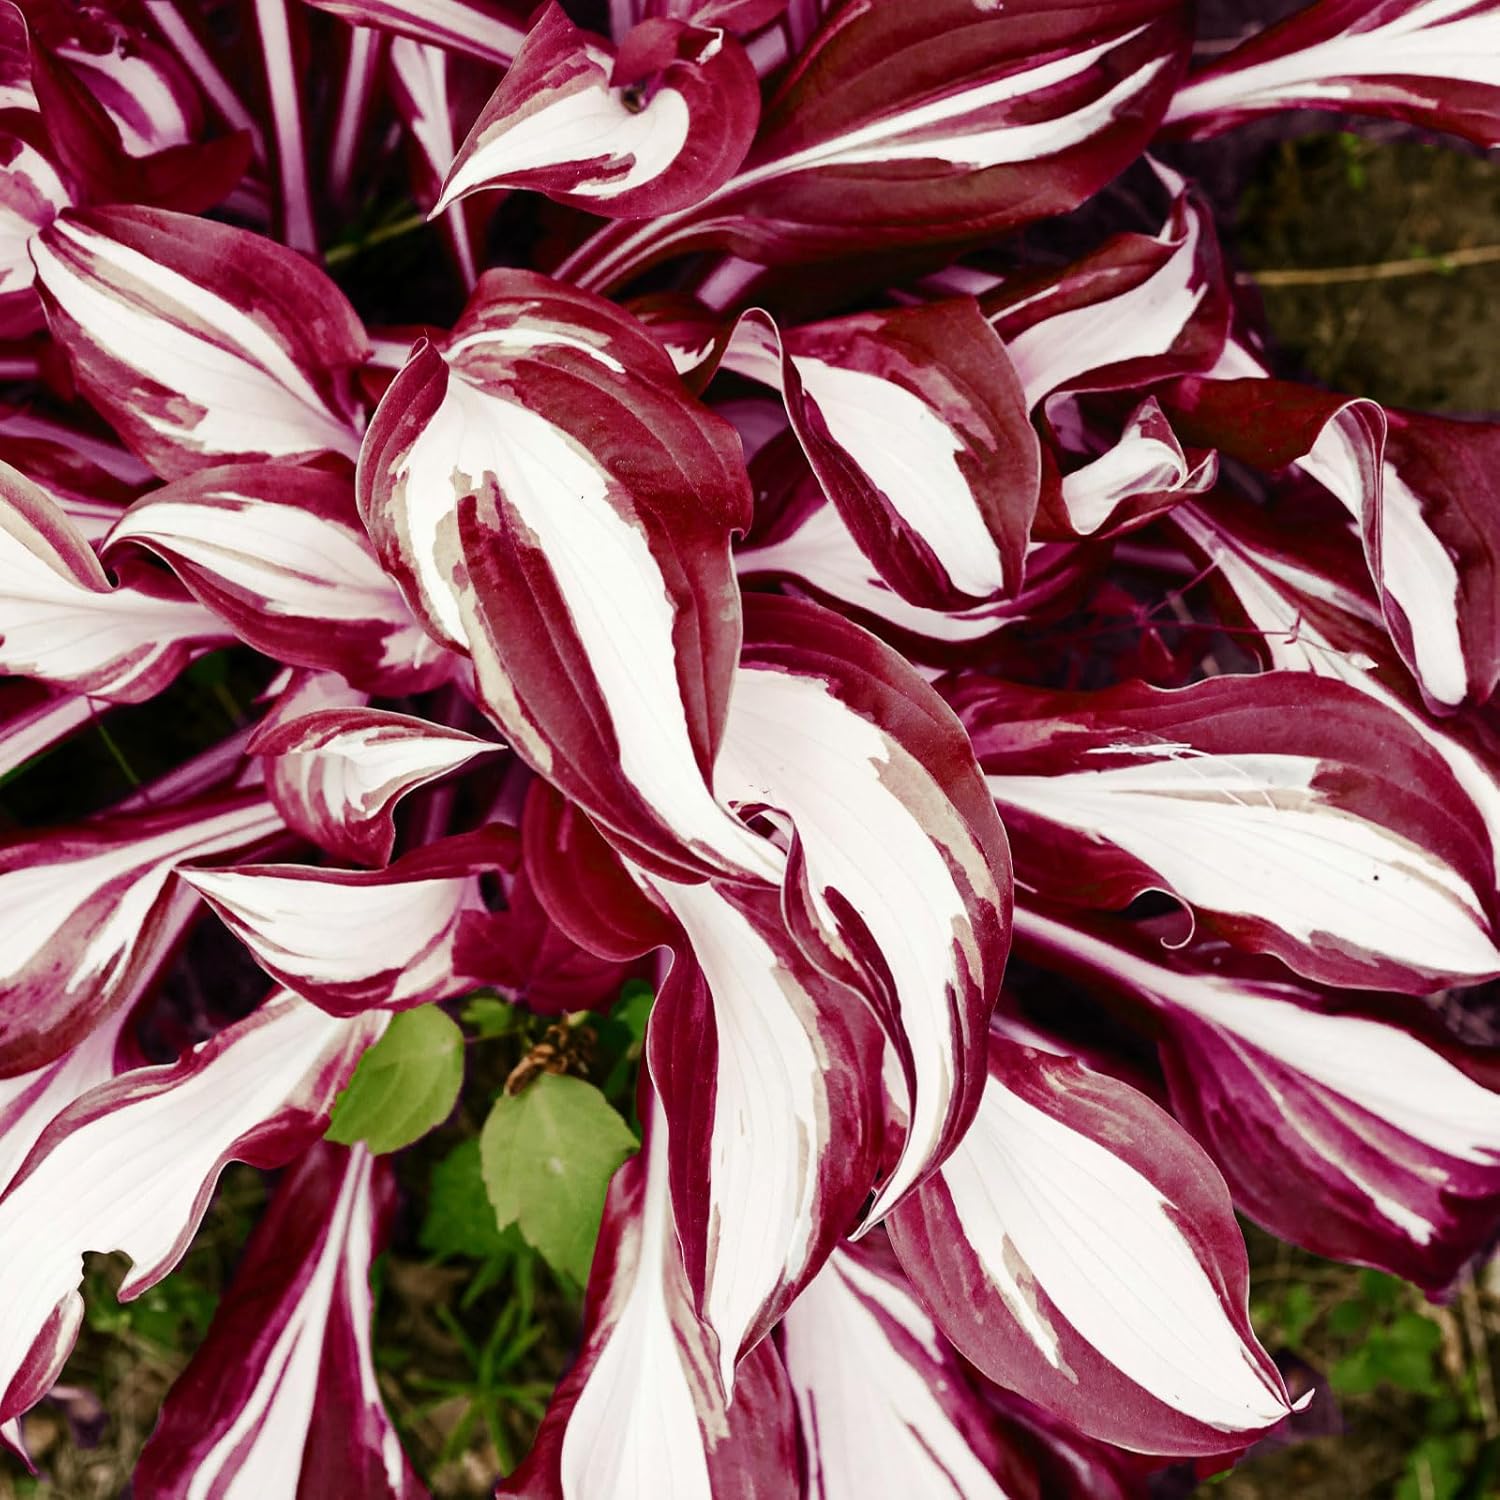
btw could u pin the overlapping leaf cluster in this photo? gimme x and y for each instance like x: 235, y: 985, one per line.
x: 782, y: 582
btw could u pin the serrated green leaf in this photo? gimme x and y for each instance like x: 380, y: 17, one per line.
x: 404, y: 1085
x: 460, y: 1219
x: 547, y: 1155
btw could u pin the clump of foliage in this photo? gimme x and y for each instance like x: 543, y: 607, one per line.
x: 825, y: 769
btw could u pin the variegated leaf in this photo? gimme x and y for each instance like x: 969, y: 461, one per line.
x: 282, y: 1398
x: 917, y: 430
x: 898, y: 880
x: 767, y: 1074
x: 1292, y: 813
x: 922, y: 125
x: 278, y: 553
x: 647, y: 128
x: 491, y: 30
x: 1344, y: 1123
x: 353, y: 940
x: 1433, y: 63
x: 337, y: 774
x: 885, y: 1404
x: 1138, y: 308
x: 552, y: 451
x: 131, y: 1164
x: 1420, y: 488
x: 86, y: 911
x: 200, y: 342
x: 1079, y: 1247
x: 640, y: 1415
x: 64, y: 622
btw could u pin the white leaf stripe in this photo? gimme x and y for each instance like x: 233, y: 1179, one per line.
x: 877, y: 1388
x: 822, y: 555
x: 283, y: 1400
x: 502, y: 511
x: 63, y: 621
x: 916, y: 426
x: 1279, y: 599
x: 192, y: 53
x: 631, y: 649
x: 28, y: 730
x: 640, y: 1416
x: 129, y: 1166
x: 768, y: 1139
x: 1147, y: 465
x: 346, y: 941
x: 207, y: 379
x: 881, y: 841
x: 789, y: 1124
x: 1438, y: 40
x: 957, y: 130
x: 1410, y: 562
x: 1048, y: 1207
x: 1331, y: 844
x: 1268, y: 843
x: 480, y: 28
x: 31, y: 1101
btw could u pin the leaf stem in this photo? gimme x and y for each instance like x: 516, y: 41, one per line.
x: 1385, y: 270
x: 337, y: 255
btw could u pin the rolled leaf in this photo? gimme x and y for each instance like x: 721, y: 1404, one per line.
x: 1421, y: 490
x: 898, y: 881
x: 352, y: 940
x: 767, y: 1074
x: 1137, y: 309
x: 640, y: 1416
x: 336, y: 775
x: 1145, y: 472
x: 917, y: 430
x: 647, y: 129
x: 553, y: 451
x: 886, y: 1407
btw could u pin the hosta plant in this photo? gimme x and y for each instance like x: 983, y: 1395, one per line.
x: 742, y: 553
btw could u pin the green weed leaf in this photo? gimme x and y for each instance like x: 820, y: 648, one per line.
x: 547, y: 1155
x: 404, y: 1085
x: 459, y: 1219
